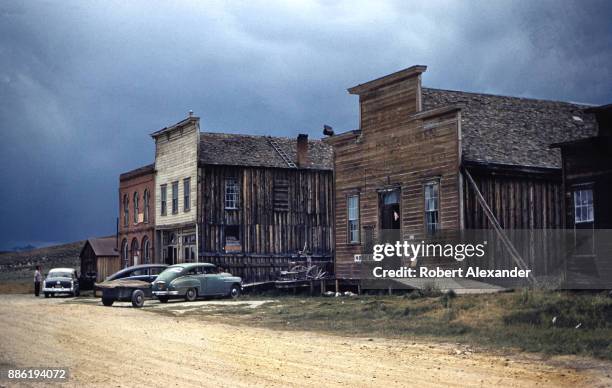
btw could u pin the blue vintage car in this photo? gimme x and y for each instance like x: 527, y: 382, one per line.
x: 191, y: 280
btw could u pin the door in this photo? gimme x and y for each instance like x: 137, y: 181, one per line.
x: 390, y: 219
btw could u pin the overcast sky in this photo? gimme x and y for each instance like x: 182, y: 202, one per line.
x: 82, y: 84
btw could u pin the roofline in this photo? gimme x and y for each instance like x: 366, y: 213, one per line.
x: 586, y: 106
x: 251, y: 135
x: 340, y: 136
x: 426, y: 114
x: 388, y: 79
x: 512, y: 168
x: 180, y: 124
x: 146, y: 170
x: 601, y: 108
x: 206, y: 164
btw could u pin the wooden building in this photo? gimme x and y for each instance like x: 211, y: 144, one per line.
x: 251, y: 204
x: 266, y: 202
x: 137, y: 216
x: 99, y: 258
x: 587, y: 188
x: 427, y: 160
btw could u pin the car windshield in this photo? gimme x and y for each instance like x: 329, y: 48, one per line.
x: 170, y: 273
x: 59, y: 274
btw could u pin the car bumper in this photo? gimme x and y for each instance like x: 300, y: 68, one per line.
x: 54, y: 289
x: 165, y: 293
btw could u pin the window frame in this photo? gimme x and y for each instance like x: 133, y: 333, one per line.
x: 136, y: 207
x: 229, y: 197
x: 126, y: 210
x: 175, y: 197
x: 163, y: 198
x: 146, y: 199
x: 588, y: 206
x: 437, y: 224
x: 356, y: 220
x: 186, y: 194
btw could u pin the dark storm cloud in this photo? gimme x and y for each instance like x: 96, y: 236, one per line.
x: 82, y: 83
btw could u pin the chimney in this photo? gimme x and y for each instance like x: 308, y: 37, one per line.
x: 302, y: 150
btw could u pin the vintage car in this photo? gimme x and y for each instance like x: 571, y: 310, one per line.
x: 130, y: 284
x: 191, y: 280
x: 61, y: 281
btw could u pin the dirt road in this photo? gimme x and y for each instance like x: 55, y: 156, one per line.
x: 122, y: 346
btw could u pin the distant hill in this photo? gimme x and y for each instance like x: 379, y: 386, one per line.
x: 19, y: 266
x: 25, y: 248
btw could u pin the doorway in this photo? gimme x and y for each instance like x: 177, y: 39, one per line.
x: 390, y: 216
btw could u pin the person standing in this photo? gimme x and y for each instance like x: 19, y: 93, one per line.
x: 37, y: 279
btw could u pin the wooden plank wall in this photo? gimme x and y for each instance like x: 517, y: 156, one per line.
x: 394, y: 149
x: 518, y: 202
x: 107, y: 266
x: 275, y: 233
x: 529, y: 206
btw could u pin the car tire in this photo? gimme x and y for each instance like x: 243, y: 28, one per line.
x: 163, y: 299
x: 235, y: 291
x: 46, y: 294
x: 138, y: 298
x: 191, y: 294
x: 107, y: 302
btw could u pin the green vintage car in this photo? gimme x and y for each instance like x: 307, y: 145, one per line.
x: 191, y: 280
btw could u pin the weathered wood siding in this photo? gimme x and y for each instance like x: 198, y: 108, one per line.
x: 396, y: 148
x: 518, y: 200
x: 589, y: 164
x: 269, y: 235
x: 176, y: 158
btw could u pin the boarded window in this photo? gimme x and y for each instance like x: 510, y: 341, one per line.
x: 232, y: 238
x: 175, y: 197
x: 432, y: 206
x: 353, y: 218
x: 164, y: 199
x: 186, y: 194
x: 281, y: 195
x: 583, y: 206
x: 232, y: 193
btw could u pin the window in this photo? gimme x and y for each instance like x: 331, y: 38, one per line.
x: 146, y: 200
x: 135, y: 252
x: 353, y: 218
x: 164, y: 196
x: 124, y: 252
x: 136, y: 207
x: 583, y: 206
x: 186, y: 194
x: 232, y: 238
x: 174, y: 197
x: 432, y: 206
x: 126, y: 210
x: 281, y: 195
x: 146, y: 251
x: 231, y: 193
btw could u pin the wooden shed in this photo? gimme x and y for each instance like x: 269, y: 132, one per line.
x: 99, y: 258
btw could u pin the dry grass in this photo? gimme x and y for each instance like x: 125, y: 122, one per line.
x: 16, y: 287
x: 522, y: 319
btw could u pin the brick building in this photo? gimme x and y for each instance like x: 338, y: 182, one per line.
x: 137, y: 216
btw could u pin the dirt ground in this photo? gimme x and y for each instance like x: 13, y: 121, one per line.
x: 123, y: 346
